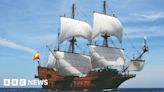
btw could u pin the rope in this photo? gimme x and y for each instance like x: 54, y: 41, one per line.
x: 127, y: 57
x: 81, y: 49
x: 84, y: 14
x: 132, y: 43
x: 113, y: 43
x: 56, y: 42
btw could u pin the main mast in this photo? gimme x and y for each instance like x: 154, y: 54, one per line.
x: 104, y: 7
x: 106, y: 26
x: 73, y: 40
x: 105, y: 35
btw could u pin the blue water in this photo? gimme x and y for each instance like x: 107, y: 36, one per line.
x: 119, y: 90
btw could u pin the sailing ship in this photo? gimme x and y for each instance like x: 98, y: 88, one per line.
x: 97, y: 70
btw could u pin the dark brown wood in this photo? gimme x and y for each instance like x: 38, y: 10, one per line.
x: 107, y: 78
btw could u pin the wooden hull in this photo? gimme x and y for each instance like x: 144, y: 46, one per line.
x: 104, y: 79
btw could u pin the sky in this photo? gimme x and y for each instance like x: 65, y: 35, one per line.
x: 27, y: 26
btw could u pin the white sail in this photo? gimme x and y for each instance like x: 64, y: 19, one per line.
x: 136, y: 65
x: 51, y: 60
x: 104, y: 56
x: 73, y: 64
x: 73, y: 28
x: 107, y: 24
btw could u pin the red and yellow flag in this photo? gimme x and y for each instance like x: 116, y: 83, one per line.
x: 36, y: 56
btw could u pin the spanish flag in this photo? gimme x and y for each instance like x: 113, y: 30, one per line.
x: 36, y: 56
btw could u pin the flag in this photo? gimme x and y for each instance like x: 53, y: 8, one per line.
x: 36, y: 56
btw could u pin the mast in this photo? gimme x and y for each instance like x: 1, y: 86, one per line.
x: 58, y: 42
x: 73, y: 40
x: 73, y: 10
x: 105, y: 42
x: 104, y: 7
x: 53, y: 56
x: 105, y: 36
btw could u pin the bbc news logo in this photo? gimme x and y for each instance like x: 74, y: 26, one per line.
x: 24, y: 82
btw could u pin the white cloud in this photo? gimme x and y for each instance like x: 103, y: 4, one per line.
x: 150, y: 31
x: 150, y: 16
x: 10, y: 44
x: 41, y: 39
x: 147, y: 16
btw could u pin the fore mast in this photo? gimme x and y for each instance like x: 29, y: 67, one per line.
x: 69, y: 62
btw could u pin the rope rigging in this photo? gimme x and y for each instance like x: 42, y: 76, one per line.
x: 131, y: 43
x: 84, y: 15
x: 81, y: 49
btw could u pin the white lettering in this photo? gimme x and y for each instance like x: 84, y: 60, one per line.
x: 29, y: 82
x: 22, y: 82
x: 35, y: 82
x: 14, y: 82
x: 41, y: 82
x: 45, y: 82
x: 6, y: 82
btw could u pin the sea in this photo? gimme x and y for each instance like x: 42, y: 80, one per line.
x: 44, y: 90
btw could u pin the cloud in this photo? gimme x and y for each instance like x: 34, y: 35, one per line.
x: 141, y: 17
x: 10, y: 44
x: 150, y: 16
x: 150, y: 31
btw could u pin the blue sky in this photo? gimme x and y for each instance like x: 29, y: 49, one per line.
x: 34, y: 24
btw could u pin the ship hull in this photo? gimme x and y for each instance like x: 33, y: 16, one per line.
x: 95, y: 80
